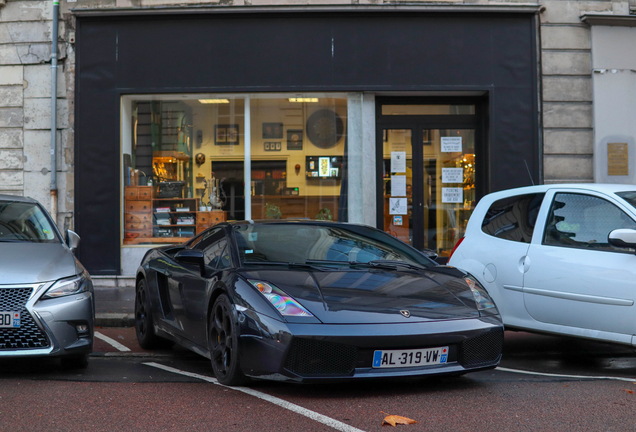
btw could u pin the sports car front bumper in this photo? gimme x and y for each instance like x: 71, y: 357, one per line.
x: 271, y: 349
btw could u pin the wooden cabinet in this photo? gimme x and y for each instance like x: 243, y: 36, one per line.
x: 137, y: 213
x: 206, y: 219
x: 150, y: 220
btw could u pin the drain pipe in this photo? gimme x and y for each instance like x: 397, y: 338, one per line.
x: 56, y: 7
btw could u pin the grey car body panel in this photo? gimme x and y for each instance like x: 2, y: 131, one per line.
x: 27, y: 263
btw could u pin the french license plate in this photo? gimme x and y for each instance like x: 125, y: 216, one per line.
x: 410, y: 358
x: 9, y: 319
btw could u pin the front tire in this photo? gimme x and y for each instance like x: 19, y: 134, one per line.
x: 144, y: 326
x: 223, y: 343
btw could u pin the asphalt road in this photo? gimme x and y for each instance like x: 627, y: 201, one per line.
x: 140, y: 390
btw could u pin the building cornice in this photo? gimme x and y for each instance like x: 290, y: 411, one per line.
x: 609, y: 20
x: 523, y: 8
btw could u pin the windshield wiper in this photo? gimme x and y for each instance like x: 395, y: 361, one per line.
x: 386, y: 264
x: 286, y: 264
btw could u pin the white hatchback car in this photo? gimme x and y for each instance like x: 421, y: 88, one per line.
x: 557, y: 258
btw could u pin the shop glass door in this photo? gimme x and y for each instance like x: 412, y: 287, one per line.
x: 428, y: 185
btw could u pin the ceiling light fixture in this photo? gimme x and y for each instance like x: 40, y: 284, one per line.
x: 303, y: 99
x: 214, y: 101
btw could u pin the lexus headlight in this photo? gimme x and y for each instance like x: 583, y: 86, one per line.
x: 69, y: 286
x: 482, y: 298
x: 281, y: 301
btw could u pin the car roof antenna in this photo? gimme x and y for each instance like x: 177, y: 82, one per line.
x: 527, y: 168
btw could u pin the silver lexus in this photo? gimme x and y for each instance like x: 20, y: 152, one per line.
x: 46, y: 296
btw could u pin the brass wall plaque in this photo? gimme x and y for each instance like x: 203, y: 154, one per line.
x: 617, y: 159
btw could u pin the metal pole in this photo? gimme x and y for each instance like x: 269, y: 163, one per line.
x: 247, y: 174
x: 56, y: 6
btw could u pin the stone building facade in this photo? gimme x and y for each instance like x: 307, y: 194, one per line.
x: 566, y: 136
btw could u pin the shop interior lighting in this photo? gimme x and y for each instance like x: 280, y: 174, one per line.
x: 303, y: 99
x: 214, y: 101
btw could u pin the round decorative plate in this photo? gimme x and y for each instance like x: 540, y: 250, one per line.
x: 324, y: 128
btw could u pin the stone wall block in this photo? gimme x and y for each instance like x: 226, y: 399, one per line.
x: 559, y: 11
x: 567, y: 115
x: 11, y: 96
x: 37, y: 185
x: 37, y: 154
x: 11, y: 75
x: 26, y: 11
x: 11, y: 117
x: 66, y: 191
x: 11, y: 138
x: 566, y: 63
x: 11, y: 159
x: 301, y: 2
x: 567, y: 89
x: 568, y: 141
x: 11, y: 180
x: 37, y: 113
x: 9, y: 55
x: 25, y: 32
x: 38, y: 81
x: 568, y: 168
x: 565, y: 37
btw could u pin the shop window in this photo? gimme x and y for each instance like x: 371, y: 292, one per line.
x: 184, y: 159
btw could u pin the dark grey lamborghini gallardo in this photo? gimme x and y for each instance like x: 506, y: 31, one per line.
x: 307, y: 301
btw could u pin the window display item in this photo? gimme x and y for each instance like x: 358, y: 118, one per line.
x: 324, y: 128
x: 171, y: 189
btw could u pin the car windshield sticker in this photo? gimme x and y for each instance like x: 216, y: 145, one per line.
x: 248, y: 251
x: 253, y: 236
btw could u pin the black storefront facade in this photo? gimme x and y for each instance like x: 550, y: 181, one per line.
x: 479, y: 66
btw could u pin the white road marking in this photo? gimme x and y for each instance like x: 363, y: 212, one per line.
x: 338, y: 425
x: 503, y: 369
x: 111, y: 342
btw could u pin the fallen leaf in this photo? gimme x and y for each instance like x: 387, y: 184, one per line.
x: 394, y: 420
x: 629, y: 391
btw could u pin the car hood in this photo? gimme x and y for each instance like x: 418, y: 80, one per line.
x: 27, y: 263
x: 376, y: 295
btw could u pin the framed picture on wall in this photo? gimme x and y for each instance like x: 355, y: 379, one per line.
x: 225, y: 134
x: 272, y: 146
x: 294, y: 139
x: 272, y: 130
x: 220, y: 134
x: 233, y: 134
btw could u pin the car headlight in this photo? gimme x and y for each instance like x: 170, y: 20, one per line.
x: 281, y: 301
x: 68, y: 286
x: 482, y: 298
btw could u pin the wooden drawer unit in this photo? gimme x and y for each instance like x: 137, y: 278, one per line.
x: 138, y: 206
x: 136, y: 218
x: 137, y: 193
x: 137, y: 233
x: 217, y: 216
x: 137, y: 225
x: 201, y: 228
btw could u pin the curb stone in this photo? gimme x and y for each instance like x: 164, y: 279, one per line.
x: 114, y: 320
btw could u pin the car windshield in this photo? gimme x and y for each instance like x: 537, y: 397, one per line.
x: 322, y: 245
x: 25, y: 222
x: 629, y: 196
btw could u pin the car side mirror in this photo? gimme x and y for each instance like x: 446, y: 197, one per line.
x: 622, y: 238
x: 192, y: 257
x: 430, y: 253
x: 72, y: 240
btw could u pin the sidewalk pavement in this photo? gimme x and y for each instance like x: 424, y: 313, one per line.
x: 114, y: 306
